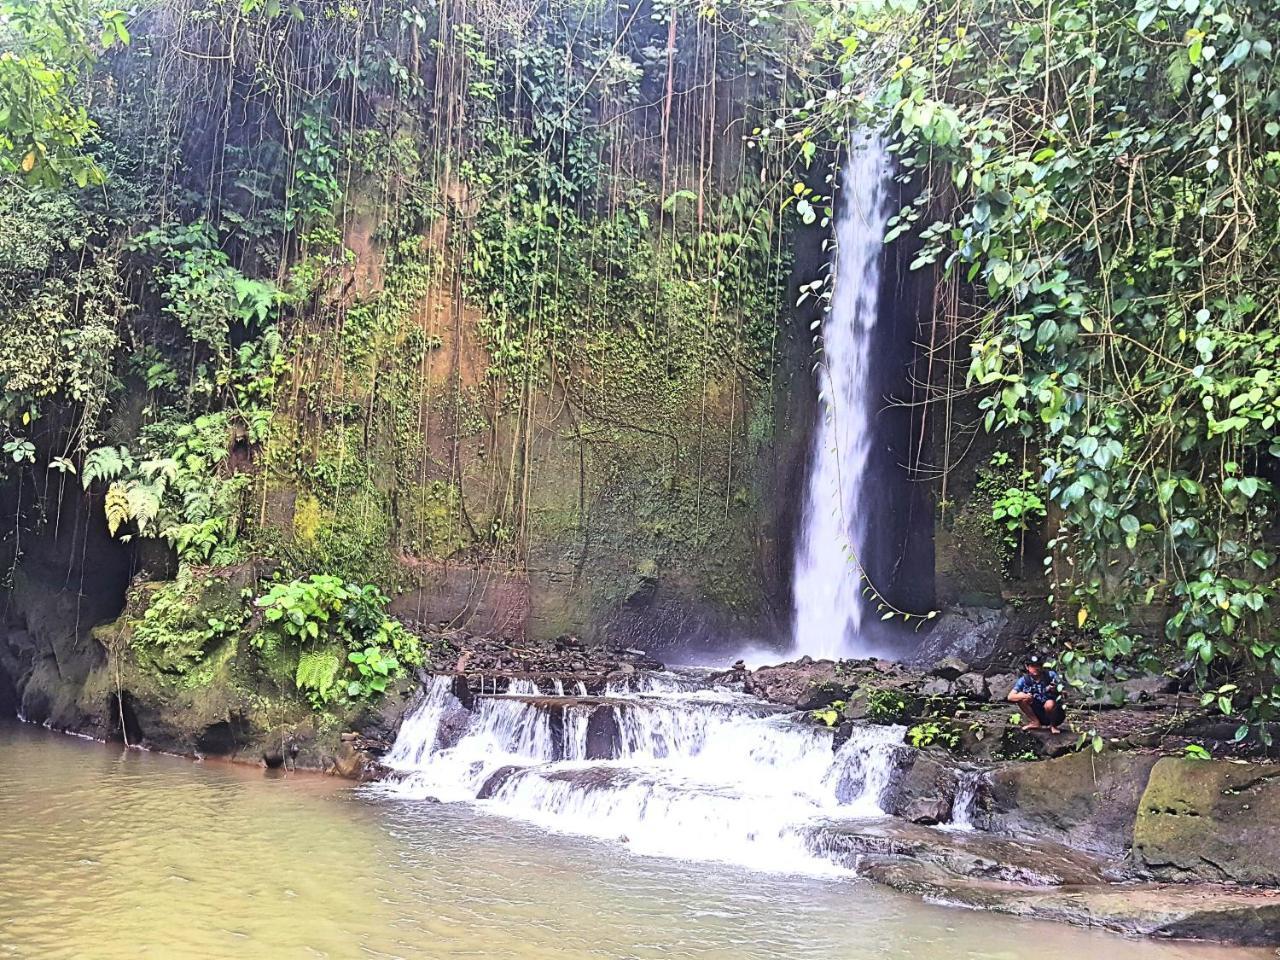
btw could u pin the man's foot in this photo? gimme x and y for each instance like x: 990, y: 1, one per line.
x: 1055, y: 730
x: 1032, y: 725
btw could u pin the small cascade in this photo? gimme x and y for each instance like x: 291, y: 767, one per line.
x: 965, y: 804
x: 667, y: 766
x: 828, y: 585
x: 558, y: 687
x: 579, y: 689
x: 527, y: 688
x: 864, y: 767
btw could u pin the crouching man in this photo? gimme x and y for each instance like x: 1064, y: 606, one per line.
x: 1039, y: 697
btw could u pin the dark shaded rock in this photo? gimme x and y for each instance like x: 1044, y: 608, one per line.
x: 223, y: 738
x: 461, y: 690
x: 970, y: 686
x: 923, y: 788
x: 274, y: 759
x: 926, y: 810
x: 1000, y: 685
x: 1019, y: 744
x: 1207, y: 820
x: 1086, y: 800
x: 973, y: 635
x: 381, y: 720
x: 604, y: 738
x: 805, y: 684
x: 936, y: 687
x: 949, y: 668
x: 495, y: 781
x: 1142, y: 689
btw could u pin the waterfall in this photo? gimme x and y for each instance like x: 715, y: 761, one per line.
x: 965, y: 804
x: 828, y: 589
x: 671, y: 768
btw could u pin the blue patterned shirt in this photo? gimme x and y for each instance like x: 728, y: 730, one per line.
x: 1041, y: 688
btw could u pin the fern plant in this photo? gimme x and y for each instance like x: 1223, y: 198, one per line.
x: 316, y: 675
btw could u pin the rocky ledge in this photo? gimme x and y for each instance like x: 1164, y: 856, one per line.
x: 1048, y: 881
x: 1111, y: 824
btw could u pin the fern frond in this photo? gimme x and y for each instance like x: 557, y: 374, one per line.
x: 106, y: 463
x: 165, y: 468
x: 117, y: 506
x: 143, y: 502
x: 317, y: 671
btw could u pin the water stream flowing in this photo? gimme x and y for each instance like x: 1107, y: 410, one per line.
x: 663, y: 765
x: 829, y: 605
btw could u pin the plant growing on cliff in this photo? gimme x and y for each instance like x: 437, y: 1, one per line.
x: 828, y: 716
x: 330, y: 626
x: 179, y: 492
x: 928, y: 733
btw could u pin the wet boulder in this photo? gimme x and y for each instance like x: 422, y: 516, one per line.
x: 604, y: 737
x: 1208, y: 820
x: 924, y: 787
x: 804, y: 684
x: 1088, y: 801
x: 496, y: 781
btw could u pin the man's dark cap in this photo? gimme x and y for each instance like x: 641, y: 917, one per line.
x: 1032, y: 660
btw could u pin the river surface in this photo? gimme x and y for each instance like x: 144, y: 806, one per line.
x: 108, y: 853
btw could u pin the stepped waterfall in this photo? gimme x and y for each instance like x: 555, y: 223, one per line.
x: 667, y: 765
x: 828, y: 602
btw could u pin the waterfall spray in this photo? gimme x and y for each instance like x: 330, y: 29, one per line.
x: 828, y: 599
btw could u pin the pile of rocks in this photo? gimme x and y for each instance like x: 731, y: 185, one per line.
x: 491, y: 664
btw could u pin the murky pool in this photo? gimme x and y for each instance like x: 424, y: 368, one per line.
x: 107, y: 853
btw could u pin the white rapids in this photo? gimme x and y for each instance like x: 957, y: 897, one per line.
x: 692, y: 773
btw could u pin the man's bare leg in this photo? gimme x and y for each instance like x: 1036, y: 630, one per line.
x: 1032, y: 721
x: 1050, y: 707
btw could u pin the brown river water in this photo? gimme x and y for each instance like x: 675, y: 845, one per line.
x: 108, y: 853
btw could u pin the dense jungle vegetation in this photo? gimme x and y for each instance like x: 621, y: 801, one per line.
x: 338, y: 288
x: 320, y: 295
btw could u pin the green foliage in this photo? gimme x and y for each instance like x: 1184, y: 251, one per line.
x: 44, y: 126
x: 884, y: 705
x: 317, y: 673
x: 316, y: 618
x: 1012, y: 504
x: 1101, y: 180
x: 180, y: 493
x: 928, y: 733
x: 1193, y: 751
x: 183, y: 620
x: 60, y: 310
x: 828, y: 716
x: 202, y: 291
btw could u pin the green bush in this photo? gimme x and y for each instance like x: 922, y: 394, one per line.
x: 345, y: 643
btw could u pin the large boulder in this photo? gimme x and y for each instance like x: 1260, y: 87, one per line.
x: 923, y: 789
x: 1207, y: 820
x: 804, y: 684
x: 974, y: 635
x: 1086, y: 800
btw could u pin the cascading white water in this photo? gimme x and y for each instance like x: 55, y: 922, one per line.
x: 828, y: 585
x: 693, y: 773
x: 965, y: 804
